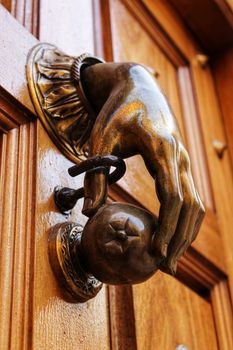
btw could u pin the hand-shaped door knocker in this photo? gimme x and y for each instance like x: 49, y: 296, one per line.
x: 98, y: 114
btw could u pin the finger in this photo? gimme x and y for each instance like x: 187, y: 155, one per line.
x: 198, y: 221
x: 96, y: 181
x: 101, y: 143
x: 198, y: 218
x: 162, y: 164
x: 189, y: 216
x: 182, y: 238
x: 95, y: 190
x: 170, y: 266
x: 201, y: 215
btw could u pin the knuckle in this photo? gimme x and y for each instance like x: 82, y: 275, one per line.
x: 166, y: 144
x: 191, y: 203
x: 196, y: 204
x: 176, y: 197
x: 202, y: 209
x: 184, y: 158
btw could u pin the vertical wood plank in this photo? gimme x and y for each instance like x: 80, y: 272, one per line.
x: 67, y: 24
x: 123, y: 333
x: 21, y: 320
x: 222, y: 310
x: 103, y: 29
x: 194, y: 138
x: 8, y: 188
x: 220, y: 169
x: 15, y: 43
x: 174, y: 26
x: 17, y: 236
x: 58, y: 324
x: 222, y: 68
x: 168, y: 314
x: 26, y: 12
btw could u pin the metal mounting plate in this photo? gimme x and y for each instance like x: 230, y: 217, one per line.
x: 57, y: 95
x: 79, y: 286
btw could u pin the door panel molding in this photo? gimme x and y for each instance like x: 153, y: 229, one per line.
x: 15, y: 43
x: 12, y: 114
x: 26, y: 12
x: 18, y: 186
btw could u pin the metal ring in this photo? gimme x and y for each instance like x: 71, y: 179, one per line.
x: 97, y: 162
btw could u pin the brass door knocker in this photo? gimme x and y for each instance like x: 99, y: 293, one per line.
x: 98, y: 114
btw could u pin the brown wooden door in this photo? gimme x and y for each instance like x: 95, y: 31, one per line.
x: 193, y: 309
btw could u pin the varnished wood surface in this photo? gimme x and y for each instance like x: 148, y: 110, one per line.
x: 222, y: 310
x: 15, y: 43
x: 26, y: 12
x: 122, y: 320
x: 172, y: 24
x: 214, y: 32
x: 220, y: 169
x: 208, y: 239
x: 17, y: 236
x: 67, y: 24
x: 152, y: 27
x: 222, y: 68
x: 102, y: 30
x: 194, y: 137
x: 168, y: 314
x: 58, y: 324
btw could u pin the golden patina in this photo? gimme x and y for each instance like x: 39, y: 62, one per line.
x: 107, y: 112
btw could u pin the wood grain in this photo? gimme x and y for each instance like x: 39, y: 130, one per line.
x: 25, y: 11
x: 18, y: 153
x: 208, y: 239
x: 220, y: 169
x: 168, y: 314
x: 222, y: 310
x: 194, y: 138
x: 102, y: 29
x: 122, y: 321
x: 21, y: 318
x: 172, y: 24
x: 222, y: 68
x: 8, y: 190
x: 72, y: 33
x: 58, y: 324
x: 152, y: 27
x: 214, y: 32
x: 12, y: 115
x: 15, y: 43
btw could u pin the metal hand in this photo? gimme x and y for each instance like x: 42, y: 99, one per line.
x: 134, y: 118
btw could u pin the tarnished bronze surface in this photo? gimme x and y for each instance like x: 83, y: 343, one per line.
x: 66, y: 198
x: 77, y: 285
x: 114, y: 247
x: 57, y: 94
x: 135, y: 118
x: 117, y: 244
x: 97, y: 109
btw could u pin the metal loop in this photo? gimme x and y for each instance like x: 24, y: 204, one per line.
x: 97, y: 162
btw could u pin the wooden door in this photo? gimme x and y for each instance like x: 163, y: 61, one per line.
x: 193, y: 309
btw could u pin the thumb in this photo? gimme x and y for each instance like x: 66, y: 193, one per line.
x: 95, y: 190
